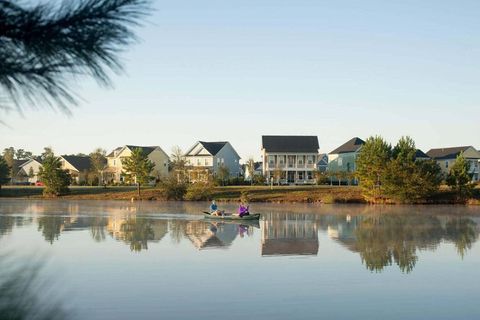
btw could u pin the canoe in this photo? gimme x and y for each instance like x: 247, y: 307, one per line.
x: 229, y: 216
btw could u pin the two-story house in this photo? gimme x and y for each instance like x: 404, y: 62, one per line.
x: 446, y: 157
x: 290, y: 159
x: 342, y: 159
x: 206, y: 158
x: 114, y: 171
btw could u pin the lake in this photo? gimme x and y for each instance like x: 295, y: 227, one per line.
x: 154, y: 260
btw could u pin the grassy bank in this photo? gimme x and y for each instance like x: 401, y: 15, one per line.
x: 318, y: 194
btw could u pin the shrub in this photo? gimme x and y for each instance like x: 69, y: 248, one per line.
x: 173, y: 189
x: 258, y: 180
x: 199, y: 191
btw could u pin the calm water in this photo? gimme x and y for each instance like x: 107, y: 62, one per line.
x: 121, y: 260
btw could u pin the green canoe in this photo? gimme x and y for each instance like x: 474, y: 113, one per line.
x: 229, y: 216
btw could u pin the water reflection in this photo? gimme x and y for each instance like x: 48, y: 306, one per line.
x: 381, y: 239
x: 289, y: 234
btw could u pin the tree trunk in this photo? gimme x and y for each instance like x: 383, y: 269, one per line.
x: 138, y: 190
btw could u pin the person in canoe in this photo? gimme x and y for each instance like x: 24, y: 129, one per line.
x: 214, y: 209
x: 243, y: 209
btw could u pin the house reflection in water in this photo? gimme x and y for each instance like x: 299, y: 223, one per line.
x: 207, y: 235
x: 289, y: 234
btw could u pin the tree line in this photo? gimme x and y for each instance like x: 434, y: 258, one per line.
x: 393, y: 173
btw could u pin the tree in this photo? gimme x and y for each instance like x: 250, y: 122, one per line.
x: 45, y: 45
x: 98, y: 161
x: 137, y: 168
x: 250, y: 166
x: 223, y: 173
x: 55, y: 179
x: 407, y: 179
x: 4, y: 172
x: 371, y: 166
x: 21, y: 154
x: 47, y: 152
x: 459, y: 179
x: 9, y: 156
x: 277, y: 174
x: 177, y: 158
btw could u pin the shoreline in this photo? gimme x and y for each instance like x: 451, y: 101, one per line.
x: 259, y: 194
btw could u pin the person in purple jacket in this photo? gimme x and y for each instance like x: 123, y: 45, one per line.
x: 243, y: 209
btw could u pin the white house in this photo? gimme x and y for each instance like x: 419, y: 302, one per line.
x: 27, y: 171
x: 208, y: 157
x: 293, y: 157
x: 77, y: 166
x: 114, y: 169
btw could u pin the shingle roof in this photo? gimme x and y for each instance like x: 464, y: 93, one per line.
x: 145, y: 150
x: 112, y: 154
x: 213, y: 147
x: 80, y: 163
x: 351, y: 145
x: 446, y: 153
x: 290, y: 144
x: 18, y: 163
x: 420, y: 154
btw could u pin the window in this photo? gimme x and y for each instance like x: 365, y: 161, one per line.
x: 310, y: 159
x: 300, y: 160
x: 446, y: 164
x: 198, y: 162
x: 309, y: 175
x: 114, y: 162
x: 340, y: 162
x: 300, y: 175
x: 281, y: 160
x: 271, y: 160
x: 206, y: 162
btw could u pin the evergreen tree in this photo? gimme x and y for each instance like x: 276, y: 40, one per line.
x: 42, y: 46
x: 371, y: 166
x: 55, y: 179
x: 4, y: 172
x: 459, y: 179
x: 137, y: 168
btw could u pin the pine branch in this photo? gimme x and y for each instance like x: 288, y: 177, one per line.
x: 42, y: 46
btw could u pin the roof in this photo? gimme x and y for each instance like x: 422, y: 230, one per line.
x: 323, y: 160
x: 112, y: 154
x: 213, y: 147
x: 19, y: 163
x: 290, y: 144
x: 81, y: 163
x: 446, y: 153
x: 420, y: 154
x: 351, y: 145
x: 145, y: 150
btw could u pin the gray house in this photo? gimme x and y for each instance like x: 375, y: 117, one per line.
x: 446, y: 157
x: 343, y: 158
x: 205, y: 158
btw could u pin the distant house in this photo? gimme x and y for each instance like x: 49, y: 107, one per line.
x: 205, y: 158
x: 257, y: 170
x: 420, y: 155
x: 343, y: 158
x: 446, y: 157
x: 77, y: 166
x: 290, y: 159
x: 114, y: 170
x: 322, y: 163
x: 27, y: 171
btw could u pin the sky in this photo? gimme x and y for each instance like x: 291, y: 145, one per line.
x: 237, y: 70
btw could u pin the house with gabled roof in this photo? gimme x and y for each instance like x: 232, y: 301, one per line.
x: 343, y: 158
x: 114, y: 170
x: 445, y: 157
x: 205, y: 158
x: 77, y: 166
x: 27, y: 171
x: 290, y: 159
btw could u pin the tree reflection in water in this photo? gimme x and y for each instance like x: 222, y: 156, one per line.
x: 51, y: 227
x: 389, y: 239
x: 23, y: 295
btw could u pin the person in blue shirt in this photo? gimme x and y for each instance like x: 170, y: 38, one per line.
x: 214, y: 209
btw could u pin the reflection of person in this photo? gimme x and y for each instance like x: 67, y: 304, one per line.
x: 242, y: 229
x: 243, y: 209
x: 214, y: 209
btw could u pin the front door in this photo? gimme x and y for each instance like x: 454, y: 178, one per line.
x: 291, y: 177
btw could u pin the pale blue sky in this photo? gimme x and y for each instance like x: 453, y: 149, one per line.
x: 234, y: 70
